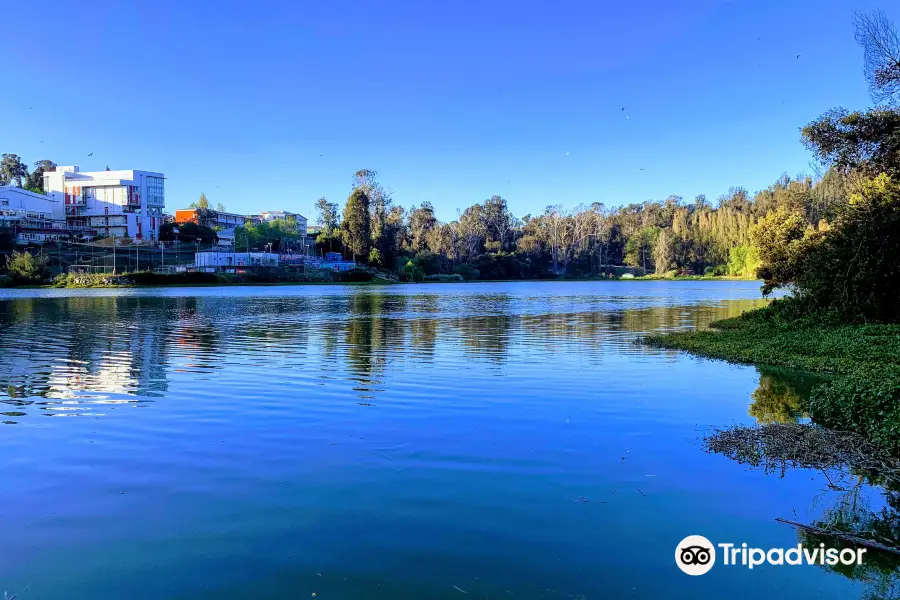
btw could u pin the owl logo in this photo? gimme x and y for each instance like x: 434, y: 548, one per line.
x: 695, y: 555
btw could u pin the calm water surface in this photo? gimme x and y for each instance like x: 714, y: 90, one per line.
x: 422, y: 441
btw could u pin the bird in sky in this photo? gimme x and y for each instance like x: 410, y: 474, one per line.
x: 642, y: 168
x: 799, y: 55
x: 623, y: 108
x: 91, y: 154
x: 567, y: 153
x: 627, y: 117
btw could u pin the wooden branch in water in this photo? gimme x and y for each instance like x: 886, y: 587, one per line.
x: 843, y: 536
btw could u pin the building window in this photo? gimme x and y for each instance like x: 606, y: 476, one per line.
x: 156, y: 195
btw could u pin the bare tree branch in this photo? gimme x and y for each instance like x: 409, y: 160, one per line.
x: 881, y: 55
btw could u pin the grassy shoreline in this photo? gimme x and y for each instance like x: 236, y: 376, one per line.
x: 863, y: 394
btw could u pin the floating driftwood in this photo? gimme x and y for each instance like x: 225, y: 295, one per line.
x: 847, y: 537
x: 779, y: 446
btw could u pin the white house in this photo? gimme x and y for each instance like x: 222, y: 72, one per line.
x: 226, y: 237
x: 114, y: 203
x: 214, y: 260
x: 34, y: 217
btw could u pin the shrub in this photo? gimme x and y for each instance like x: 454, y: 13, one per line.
x: 375, y: 258
x: 411, y: 272
x: 863, y: 402
x: 467, y: 271
x: 88, y: 280
x: 429, y: 262
x: 24, y: 268
x: 444, y: 277
x: 502, y: 265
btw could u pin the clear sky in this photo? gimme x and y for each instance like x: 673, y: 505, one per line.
x: 270, y: 105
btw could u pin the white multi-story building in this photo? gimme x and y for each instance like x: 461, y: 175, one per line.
x: 35, y: 217
x: 114, y: 203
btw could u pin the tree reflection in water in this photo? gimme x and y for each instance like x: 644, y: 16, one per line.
x: 863, y: 492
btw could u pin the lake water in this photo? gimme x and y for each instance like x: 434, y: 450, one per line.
x: 484, y: 440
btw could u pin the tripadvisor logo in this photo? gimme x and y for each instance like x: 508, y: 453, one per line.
x: 696, y: 555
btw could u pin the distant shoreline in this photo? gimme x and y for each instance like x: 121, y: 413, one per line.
x: 378, y: 282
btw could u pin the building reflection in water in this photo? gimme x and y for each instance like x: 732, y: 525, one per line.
x: 72, y: 355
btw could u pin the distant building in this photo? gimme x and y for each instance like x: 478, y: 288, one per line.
x: 35, y: 217
x: 226, y: 237
x: 114, y: 203
x: 220, y: 220
x: 213, y: 218
x: 223, y: 260
x: 281, y: 215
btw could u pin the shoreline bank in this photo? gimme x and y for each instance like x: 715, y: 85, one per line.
x: 862, y: 394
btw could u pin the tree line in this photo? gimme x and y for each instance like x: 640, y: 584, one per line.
x: 695, y: 236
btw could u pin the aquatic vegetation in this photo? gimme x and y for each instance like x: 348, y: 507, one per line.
x: 862, y: 396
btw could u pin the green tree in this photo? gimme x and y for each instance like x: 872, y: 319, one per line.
x: 220, y: 207
x: 383, y: 227
x: 868, y: 140
x: 782, y: 239
x: 743, y: 261
x: 329, y: 224
x: 639, y: 248
x: 498, y: 221
x: 12, y: 169
x: 663, y: 251
x: 271, y: 235
x: 35, y: 180
x: 421, y: 222
x: 375, y: 258
x: 25, y: 268
x: 188, y: 233
x: 203, y: 202
x: 853, y: 269
x: 355, y: 227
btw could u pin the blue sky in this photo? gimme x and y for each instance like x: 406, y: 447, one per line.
x: 450, y: 102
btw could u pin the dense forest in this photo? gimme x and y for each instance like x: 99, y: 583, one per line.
x: 487, y: 240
